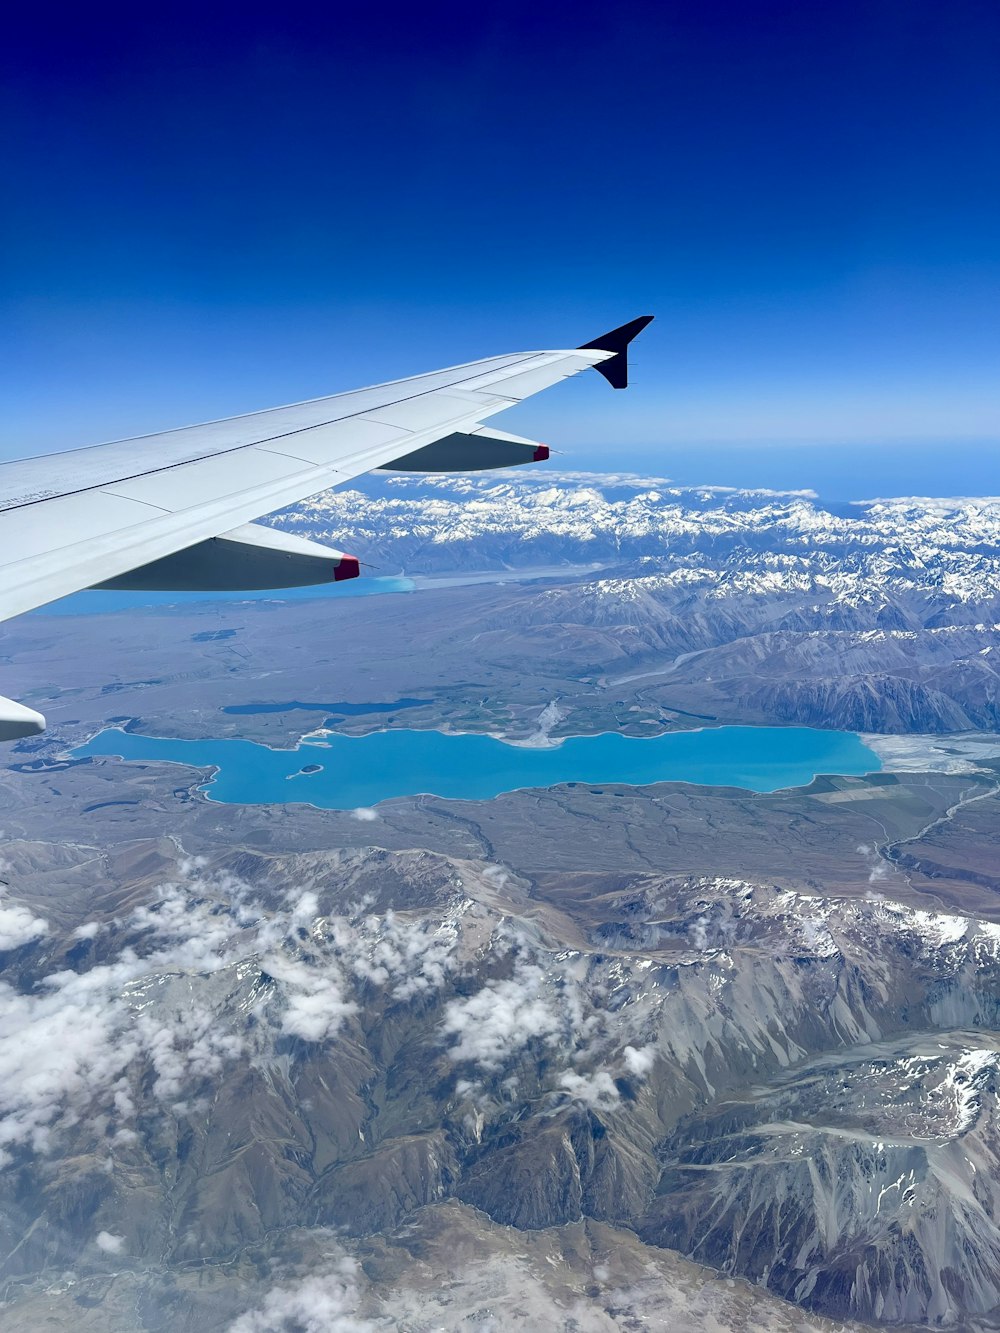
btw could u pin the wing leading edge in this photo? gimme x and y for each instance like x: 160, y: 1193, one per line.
x: 180, y: 505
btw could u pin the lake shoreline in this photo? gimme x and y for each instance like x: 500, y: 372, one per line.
x: 347, y: 772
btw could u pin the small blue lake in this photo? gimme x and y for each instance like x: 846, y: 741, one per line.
x: 347, y: 772
x: 332, y: 710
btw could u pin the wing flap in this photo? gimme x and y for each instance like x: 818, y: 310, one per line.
x: 17, y: 720
x: 473, y: 451
x: 251, y: 556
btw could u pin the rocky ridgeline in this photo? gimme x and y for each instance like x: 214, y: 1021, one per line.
x: 794, y: 1090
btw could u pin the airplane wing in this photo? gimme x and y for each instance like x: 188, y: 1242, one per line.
x: 175, y: 510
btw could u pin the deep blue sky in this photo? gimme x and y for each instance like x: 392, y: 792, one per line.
x: 211, y: 214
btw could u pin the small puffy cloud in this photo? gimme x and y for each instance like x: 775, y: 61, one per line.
x: 698, y: 933
x: 639, y: 1060
x: 544, y: 1000
x: 110, y: 1244
x: 88, y: 931
x: 320, y: 1303
x: 409, y: 957
x: 496, y: 1023
x: 877, y: 867
x: 316, y: 1005
x: 596, y: 1090
x: 186, y: 1042
x: 305, y: 909
x: 19, y: 926
x: 365, y: 813
x: 412, y: 957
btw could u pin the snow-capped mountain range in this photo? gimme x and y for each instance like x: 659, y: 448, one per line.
x: 744, y: 541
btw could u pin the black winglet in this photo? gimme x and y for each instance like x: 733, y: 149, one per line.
x: 615, y: 369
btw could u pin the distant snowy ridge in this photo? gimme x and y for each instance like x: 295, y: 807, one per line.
x: 747, y: 541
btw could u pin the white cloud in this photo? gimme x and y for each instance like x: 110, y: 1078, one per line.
x: 321, y: 1303
x: 19, y: 926
x: 496, y: 1023
x: 66, y: 1049
x: 306, y: 908
x: 597, y: 1090
x: 168, y: 1012
x: 186, y: 1041
x: 88, y: 931
x: 71, y: 1047
x: 877, y: 867
x: 365, y: 813
x: 412, y: 956
x: 639, y: 1060
x: 408, y: 956
x: 316, y: 1004
x: 698, y: 933
x: 110, y: 1244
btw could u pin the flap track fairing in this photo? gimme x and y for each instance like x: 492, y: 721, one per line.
x: 252, y: 556
x: 473, y: 451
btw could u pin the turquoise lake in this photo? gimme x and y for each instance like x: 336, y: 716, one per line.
x: 355, y: 771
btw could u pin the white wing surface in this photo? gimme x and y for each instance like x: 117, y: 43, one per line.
x: 175, y: 509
